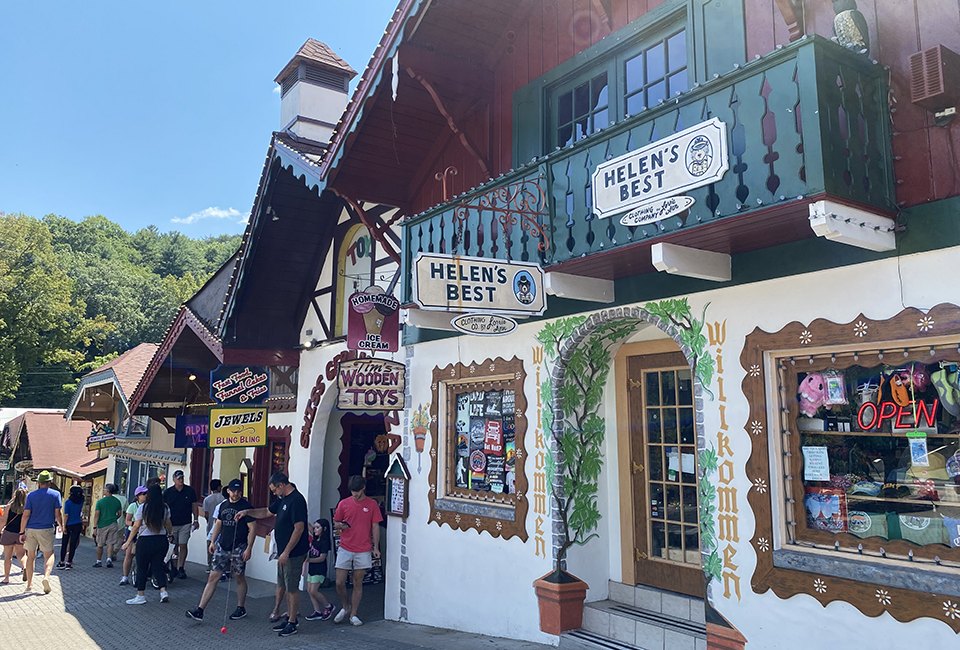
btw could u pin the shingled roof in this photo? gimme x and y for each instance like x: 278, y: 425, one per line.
x: 129, y: 366
x: 317, y: 53
x: 58, y: 445
x: 97, y: 395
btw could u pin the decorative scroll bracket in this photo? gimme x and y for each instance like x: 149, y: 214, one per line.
x: 523, y: 203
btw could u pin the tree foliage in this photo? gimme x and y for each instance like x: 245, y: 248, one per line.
x: 73, y: 294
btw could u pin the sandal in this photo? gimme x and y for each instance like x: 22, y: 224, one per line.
x: 276, y: 618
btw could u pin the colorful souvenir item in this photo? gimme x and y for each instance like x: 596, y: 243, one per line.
x: 812, y: 394
x: 945, y: 382
x: 835, y: 388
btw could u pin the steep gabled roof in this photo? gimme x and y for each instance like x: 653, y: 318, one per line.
x: 128, y: 367
x: 317, y: 53
x: 114, y: 382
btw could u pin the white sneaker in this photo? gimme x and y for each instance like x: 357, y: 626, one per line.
x: 124, y: 580
x: 137, y: 600
x: 109, y: 563
x: 354, y: 620
x: 164, y: 596
x: 341, y: 616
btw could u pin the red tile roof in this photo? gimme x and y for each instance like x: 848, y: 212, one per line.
x: 313, y: 51
x: 60, y: 445
x: 130, y: 366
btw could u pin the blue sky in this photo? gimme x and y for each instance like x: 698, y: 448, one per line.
x: 154, y: 113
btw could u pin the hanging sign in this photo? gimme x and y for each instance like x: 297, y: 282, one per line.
x: 101, y: 436
x: 691, y: 158
x: 239, y: 384
x: 457, y: 283
x: 238, y: 427
x: 373, y: 321
x: 483, y: 324
x: 4, y: 465
x: 398, y: 494
x: 192, y: 431
x: 370, y: 385
x: 657, y: 210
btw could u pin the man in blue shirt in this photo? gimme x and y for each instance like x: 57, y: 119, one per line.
x: 38, y: 527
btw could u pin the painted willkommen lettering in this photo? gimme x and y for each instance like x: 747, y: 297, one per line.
x: 540, y: 465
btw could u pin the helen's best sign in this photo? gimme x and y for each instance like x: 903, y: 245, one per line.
x: 477, y: 284
x: 691, y: 158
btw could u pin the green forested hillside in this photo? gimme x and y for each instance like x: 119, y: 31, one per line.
x: 73, y: 295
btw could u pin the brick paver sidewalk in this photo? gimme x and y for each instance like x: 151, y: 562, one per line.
x: 86, y: 610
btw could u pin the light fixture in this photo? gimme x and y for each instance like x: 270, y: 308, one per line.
x: 309, y: 343
x: 192, y: 377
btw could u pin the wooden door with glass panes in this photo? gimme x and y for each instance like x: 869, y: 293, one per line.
x: 663, y: 448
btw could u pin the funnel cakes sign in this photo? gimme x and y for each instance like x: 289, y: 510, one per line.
x: 373, y: 322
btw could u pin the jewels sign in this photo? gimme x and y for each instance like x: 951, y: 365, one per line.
x: 691, y: 158
x: 456, y: 283
x: 238, y: 427
x: 370, y: 385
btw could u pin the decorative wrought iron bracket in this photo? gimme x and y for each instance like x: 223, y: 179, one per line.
x: 522, y: 203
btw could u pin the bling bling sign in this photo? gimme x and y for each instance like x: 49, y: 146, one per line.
x: 691, y: 158
x: 239, y: 384
x: 238, y: 427
x: 370, y: 385
x: 457, y: 283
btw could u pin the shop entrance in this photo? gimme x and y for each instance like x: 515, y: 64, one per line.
x: 663, y: 467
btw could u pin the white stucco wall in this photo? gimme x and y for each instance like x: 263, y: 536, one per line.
x: 442, y: 586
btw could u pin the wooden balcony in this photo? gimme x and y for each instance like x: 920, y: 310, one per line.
x: 806, y: 122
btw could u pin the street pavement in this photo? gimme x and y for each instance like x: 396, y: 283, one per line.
x: 86, y: 610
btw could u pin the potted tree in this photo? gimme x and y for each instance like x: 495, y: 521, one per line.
x: 561, y: 594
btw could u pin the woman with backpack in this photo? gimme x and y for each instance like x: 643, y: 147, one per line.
x: 151, y: 532
x: 10, y: 535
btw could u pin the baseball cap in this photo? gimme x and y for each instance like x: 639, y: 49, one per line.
x: 44, y: 477
x: 140, y: 490
x: 235, y: 484
x: 178, y: 474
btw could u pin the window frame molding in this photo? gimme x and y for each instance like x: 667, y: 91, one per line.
x: 500, y: 515
x: 810, y: 573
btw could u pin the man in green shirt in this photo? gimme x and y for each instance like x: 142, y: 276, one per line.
x: 106, y: 531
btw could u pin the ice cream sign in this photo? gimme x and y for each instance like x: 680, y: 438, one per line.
x: 370, y: 385
x: 373, y: 322
x: 476, y: 284
x: 666, y: 168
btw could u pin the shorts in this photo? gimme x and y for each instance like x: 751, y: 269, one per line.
x: 288, y: 576
x: 351, y: 561
x: 316, y: 579
x: 108, y: 535
x: 181, y: 534
x: 40, y: 538
x: 225, y: 561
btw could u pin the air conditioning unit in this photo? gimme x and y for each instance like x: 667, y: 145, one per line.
x: 935, y: 78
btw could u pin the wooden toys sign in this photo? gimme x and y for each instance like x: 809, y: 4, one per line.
x: 370, y: 385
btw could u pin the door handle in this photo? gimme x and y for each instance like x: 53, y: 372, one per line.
x: 637, y: 467
x: 640, y: 554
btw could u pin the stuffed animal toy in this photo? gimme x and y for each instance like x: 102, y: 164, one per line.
x: 812, y: 393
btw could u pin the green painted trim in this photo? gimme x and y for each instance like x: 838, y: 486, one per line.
x: 931, y: 226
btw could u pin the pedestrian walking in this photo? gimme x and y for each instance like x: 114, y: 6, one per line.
x: 114, y: 489
x: 182, y: 501
x: 357, y: 519
x: 139, y: 496
x: 231, y: 544
x: 152, y: 533
x: 10, y: 535
x: 38, y: 528
x: 290, y: 532
x: 73, y: 520
x: 106, y: 530
x: 210, y: 503
x: 317, y: 570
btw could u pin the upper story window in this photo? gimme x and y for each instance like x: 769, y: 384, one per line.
x: 637, y: 77
x: 137, y: 426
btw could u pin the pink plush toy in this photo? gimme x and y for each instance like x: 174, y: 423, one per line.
x: 812, y: 393
x: 920, y: 377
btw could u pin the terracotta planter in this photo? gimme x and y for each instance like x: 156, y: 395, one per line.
x: 560, y: 596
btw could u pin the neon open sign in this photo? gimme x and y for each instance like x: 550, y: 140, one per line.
x: 872, y: 416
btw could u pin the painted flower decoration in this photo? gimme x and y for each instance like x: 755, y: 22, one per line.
x: 763, y: 544
x: 438, y: 516
x: 756, y: 427
x: 805, y: 337
x: 473, y: 369
x: 883, y: 597
x: 516, y: 375
x: 754, y: 371
x: 925, y: 324
x: 492, y: 367
x: 433, y: 488
x: 499, y: 525
x: 760, y: 485
x: 457, y: 518
x: 477, y: 522
x: 951, y: 610
x: 819, y: 586
x: 860, y: 329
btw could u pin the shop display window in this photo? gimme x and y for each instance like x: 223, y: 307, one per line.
x: 478, y: 425
x: 874, y: 451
